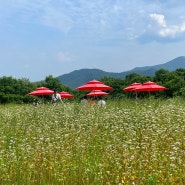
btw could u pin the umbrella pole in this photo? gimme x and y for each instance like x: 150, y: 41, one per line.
x: 136, y: 95
x: 42, y: 99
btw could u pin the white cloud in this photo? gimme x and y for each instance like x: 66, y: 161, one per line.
x: 172, y: 31
x: 159, y: 18
x: 167, y: 30
x: 102, y: 19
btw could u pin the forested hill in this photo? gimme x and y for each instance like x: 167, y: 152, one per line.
x: 79, y: 77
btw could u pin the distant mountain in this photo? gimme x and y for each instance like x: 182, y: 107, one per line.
x: 79, y: 77
x: 172, y: 65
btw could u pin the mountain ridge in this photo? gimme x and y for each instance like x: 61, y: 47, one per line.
x: 81, y: 76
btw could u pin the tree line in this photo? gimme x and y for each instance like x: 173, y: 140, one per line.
x: 16, y: 90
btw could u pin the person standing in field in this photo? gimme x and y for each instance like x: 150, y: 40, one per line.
x: 92, y: 101
x: 35, y: 102
x: 56, y: 97
x: 101, y: 101
x: 84, y: 100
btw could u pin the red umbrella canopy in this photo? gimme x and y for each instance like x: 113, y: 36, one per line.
x: 64, y: 94
x: 94, y: 82
x: 149, y: 83
x: 91, y: 87
x: 97, y: 93
x: 94, y: 85
x: 41, y: 91
x: 149, y: 86
x: 132, y: 86
x: 42, y: 88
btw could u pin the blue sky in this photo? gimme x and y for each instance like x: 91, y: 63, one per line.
x: 55, y: 37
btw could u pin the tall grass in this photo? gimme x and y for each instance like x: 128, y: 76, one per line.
x: 126, y: 142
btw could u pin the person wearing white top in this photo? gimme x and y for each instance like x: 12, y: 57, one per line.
x: 101, y: 102
x: 56, y: 97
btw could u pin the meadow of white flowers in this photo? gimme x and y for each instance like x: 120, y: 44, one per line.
x: 125, y: 142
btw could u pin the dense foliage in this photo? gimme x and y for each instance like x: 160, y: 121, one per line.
x: 174, y: 81
x: 16, y: 90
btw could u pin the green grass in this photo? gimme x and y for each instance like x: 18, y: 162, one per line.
x: 126, y: 142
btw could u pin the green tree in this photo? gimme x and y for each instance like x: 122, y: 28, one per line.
x: 53, y: 83
x: 174, y: 86
x: 117, y: 84
x: 162, y: 76
x: 134, y: 77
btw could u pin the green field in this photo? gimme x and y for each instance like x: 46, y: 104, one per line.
x: 127, y: 142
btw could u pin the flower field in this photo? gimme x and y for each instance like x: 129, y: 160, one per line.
x: 127, y: 142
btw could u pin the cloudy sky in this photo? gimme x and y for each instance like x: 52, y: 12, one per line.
x: 54, y: 37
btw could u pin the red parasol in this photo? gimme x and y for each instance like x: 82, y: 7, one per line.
x: 149, y: 83
x: 94, y: 82
x: 94, y: 85
x: 64, y: 94
x: 132, y: 86
x: 97, y: 93
x: 42, y: 88
x: 149, y: 87
x: 41, y: 91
